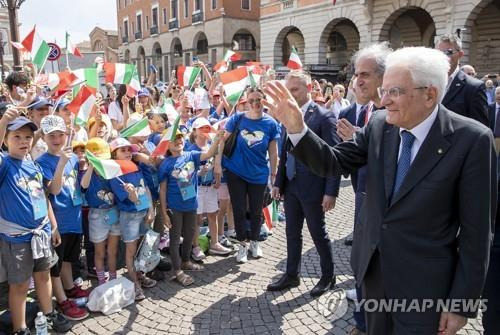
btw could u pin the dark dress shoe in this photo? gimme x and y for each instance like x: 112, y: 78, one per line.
x: 348, y: 242
x: 286, y: 281
x: 322, y: 286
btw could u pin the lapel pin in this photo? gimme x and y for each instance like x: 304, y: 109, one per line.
x: 458, y: 84
x: 440, y: 151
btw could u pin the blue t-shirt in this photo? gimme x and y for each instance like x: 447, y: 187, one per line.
x: 155, y: 138
x: 99, y: 193
x: 151, y: 177
x: 208, y: 178
x: 22, y: 197
x: 180, y: 174
x: 121, y: 196
x: 249, y: 160
x: 67, y: 204
x: 214, y: 117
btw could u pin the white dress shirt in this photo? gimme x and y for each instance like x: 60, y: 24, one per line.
x: 420, y: 132
x: 452, y: 77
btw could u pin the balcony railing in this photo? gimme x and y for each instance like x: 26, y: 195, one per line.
x: 197, y: 17
x: 138, y: 35
x: 287, y: 4
x: 153, y: 30
x: 173, y: 24
x: 124, y: 39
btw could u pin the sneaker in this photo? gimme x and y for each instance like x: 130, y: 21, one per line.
x: 231, y: 233
x: 281, y: 217
x: 72, y: 312
x: 225, y: 242
x: 58, y: 322
x: 139, y: 293
x: 197, y: 254
x: 351, y: 294
x: 218, y: 250
x: 77, y: 292
x: 24, y: 331
x: 255, y: 249
x: 241, y: 256
x: 147, y: 282
x: 78, y: 281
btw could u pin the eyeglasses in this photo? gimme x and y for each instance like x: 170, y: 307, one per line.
x: 252, y: 101
x: 449, y: 52
x: 395, y: 92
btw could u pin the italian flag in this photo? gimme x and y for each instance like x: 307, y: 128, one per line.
x: 161, y: 148
x: 232, y: 56
x: 38, y: 48
x: 119, y: 73
x: 82, y: 105
x: 89, y: 77
x: 109, y: 168
x: 71, y: 48
x: 221, y: 66
x: 61, y: 80
x: 186, y: 75
x: 271, y: 214
x: 140, y: 128
x: 234, y: 83
x: 294, y: 62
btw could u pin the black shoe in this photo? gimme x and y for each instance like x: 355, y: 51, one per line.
x: 322, y: 286
x: 156, y: 274
x: 348, y: 242
x: 58, y: 322
x: 285, y: 282
x: 164, y: 265
x: 24, y: 331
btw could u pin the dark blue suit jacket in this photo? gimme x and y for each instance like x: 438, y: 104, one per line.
x: 322, y: 123
x: 491, y: 116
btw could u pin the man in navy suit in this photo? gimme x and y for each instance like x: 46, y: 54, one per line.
x: 493, y: 111
x: 465, y: 95
x: 306, y: 195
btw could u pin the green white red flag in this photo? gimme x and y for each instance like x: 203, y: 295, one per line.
x: 170, y: 134
x: 119, y: 73
x: 235, y: 83
x: 294, y: 62
x: 109, y: 168
x: 60, y: 81
x: 70, y: 47
x: 82, y: 104
x: 38, y: 48
x: 140, y: 128
x: 186, y: 75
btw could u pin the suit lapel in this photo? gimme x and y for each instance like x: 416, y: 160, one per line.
x: 309, y: 112
x: 456, y: 86
x: 430, y: 153
x: 391, y: 150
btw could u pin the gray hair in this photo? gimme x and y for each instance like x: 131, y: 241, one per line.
x: 497, y: 89
x: 451, y: 38
x: 300, y: 75
x: 428, y: 67
x: 378, y: 52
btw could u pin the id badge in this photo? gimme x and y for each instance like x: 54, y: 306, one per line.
x: 111, y: 216
x: 76, y: 197
x: 209, y: 177
x: 143, y: 202
x: 154, y: 176
x: 39, y: 206
x: 187, y: 190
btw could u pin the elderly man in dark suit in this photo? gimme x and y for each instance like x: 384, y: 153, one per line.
x: 493, y: 111
x: 306, y: 195
x: 465, y: 95
x: 425, y: 232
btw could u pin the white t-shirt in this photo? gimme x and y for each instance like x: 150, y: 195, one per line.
x: 115, y: 112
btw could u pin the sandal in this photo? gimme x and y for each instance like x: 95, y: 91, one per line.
x: 184, y: 279
x: 190, y: 266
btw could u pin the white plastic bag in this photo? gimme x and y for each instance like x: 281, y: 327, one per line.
x: 111, y: 297
x: 148, y: 254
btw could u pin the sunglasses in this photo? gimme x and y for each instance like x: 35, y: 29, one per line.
x: 449, y: 52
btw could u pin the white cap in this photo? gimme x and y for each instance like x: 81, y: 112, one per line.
x: 51, y: 123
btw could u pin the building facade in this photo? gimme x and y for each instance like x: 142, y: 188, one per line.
x: 326, y: 34
x: 167, y: 33
x: 5, y: 46
x: 106, y: 41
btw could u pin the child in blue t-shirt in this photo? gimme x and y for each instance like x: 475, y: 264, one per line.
x: 104, y: 228
x: 23, y: 208
x: 60, y: 174
x: 178, y: 188
x: 133, y: 200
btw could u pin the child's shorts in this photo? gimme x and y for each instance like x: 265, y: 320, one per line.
x: 207, y: 200
x: 68, y: 251
x: 223, y: 192
x: 130, y: 224
x: 100, y: 225
x: 17, y: 258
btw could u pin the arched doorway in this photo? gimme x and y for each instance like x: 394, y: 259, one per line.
x: 141, y: 62
x: 200, y: 47
x: 176, y: 51
x: 98, y: 46
x: 288, y: 37
x: 409, y: 26
x: 244, y: 43
x: 157, y: 60
x: 484, y: 48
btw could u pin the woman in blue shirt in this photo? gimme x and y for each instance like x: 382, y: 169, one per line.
x: 248, y: 170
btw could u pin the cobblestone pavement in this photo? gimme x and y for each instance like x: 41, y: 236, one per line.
x: 228, y: 298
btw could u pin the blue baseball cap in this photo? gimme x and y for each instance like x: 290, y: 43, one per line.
x: 144, y: 92
x: 63, y: 103
x: 21, y: 122
x: 39, y: 102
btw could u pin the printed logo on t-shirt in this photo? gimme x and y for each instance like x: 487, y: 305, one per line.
x: 252, y: 138
x: 70, y: 180
x: 106, y: 196
x: 33, y: 186
x: 185, y: 172
x: 141, y: 189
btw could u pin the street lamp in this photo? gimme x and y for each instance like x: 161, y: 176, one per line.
x: 12, y: 7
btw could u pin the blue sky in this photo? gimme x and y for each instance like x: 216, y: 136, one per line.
x: 78, y: 17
